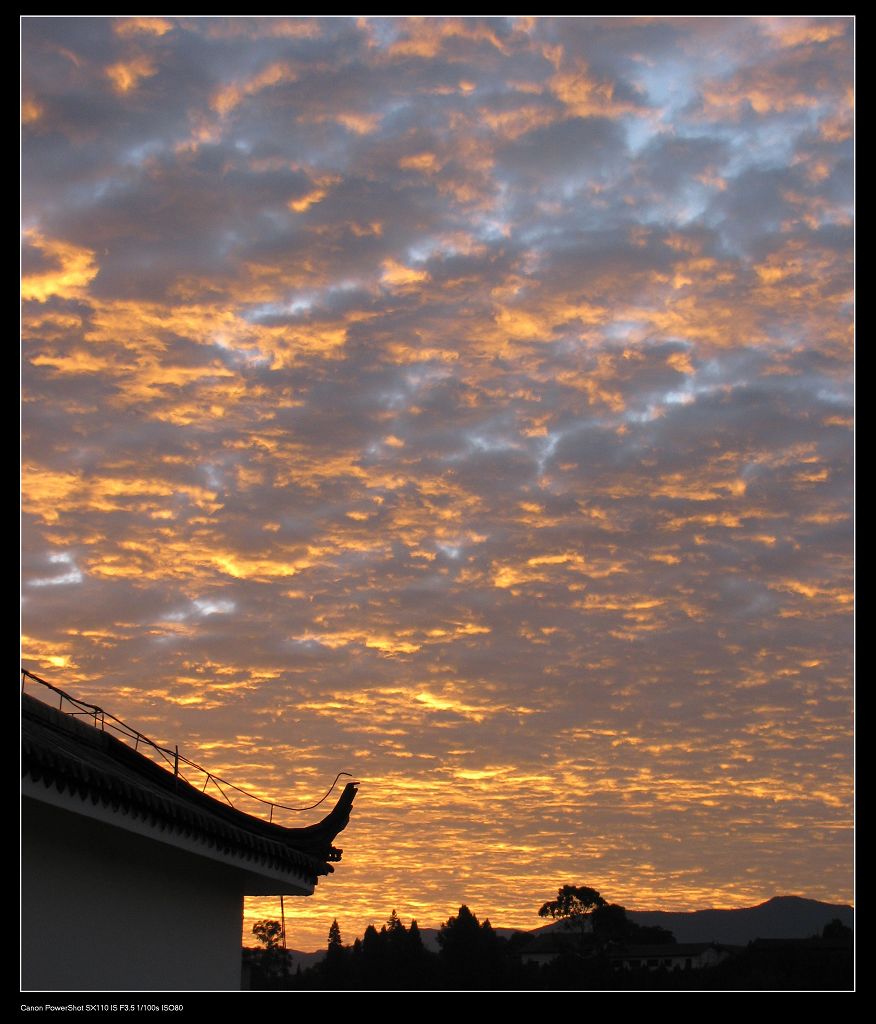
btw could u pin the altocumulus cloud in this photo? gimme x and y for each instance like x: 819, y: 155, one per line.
x: 464, y: 403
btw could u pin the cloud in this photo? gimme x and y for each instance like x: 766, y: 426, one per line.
x: 465, y: 403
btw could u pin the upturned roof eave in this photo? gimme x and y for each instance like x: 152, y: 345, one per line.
x: 71, y: 756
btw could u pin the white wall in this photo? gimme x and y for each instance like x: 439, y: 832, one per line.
x: 103, y: 909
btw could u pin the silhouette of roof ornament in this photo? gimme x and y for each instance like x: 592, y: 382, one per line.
x: 67, y: 756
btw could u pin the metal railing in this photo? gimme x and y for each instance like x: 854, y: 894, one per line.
x: 168, y: 758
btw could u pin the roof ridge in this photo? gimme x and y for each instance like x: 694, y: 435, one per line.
x: 60, y: 751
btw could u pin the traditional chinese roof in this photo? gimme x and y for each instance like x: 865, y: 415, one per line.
x: 69, y: 757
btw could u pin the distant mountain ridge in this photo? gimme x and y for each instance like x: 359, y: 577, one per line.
x: 782, y: 917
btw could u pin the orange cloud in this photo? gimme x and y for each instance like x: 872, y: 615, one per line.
x: 75, y: 271
x: 789, y: 32
x: 585, y: 96
x: 127, y: 75
x: 426, y: 162
x: 397, y: 275
x: 230, y: 96
x: 142, y: 26
x: 31, y: 111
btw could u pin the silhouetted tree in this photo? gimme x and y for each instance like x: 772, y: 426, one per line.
x: 268, y: 933
x: 650, y: 934
x: 373, y: 961
x: 835, y: 929
x: 575, y: 906
x: 470, y: 951
x: 372, y: 944
x: 334, y: 968
x: 334, y: 937
x: 396, y: 937
x: 419, y: 962
x: 611, y: 924
x: 272, y: 960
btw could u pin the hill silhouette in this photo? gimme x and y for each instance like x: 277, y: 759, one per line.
x: 782, y: 917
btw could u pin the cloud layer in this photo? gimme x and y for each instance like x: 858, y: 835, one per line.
x: 465, y: 404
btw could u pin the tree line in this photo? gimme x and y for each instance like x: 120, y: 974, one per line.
x: 577, y: 955
x: 471, y: 954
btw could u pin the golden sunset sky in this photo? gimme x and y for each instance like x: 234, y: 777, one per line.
x: 465, y: 404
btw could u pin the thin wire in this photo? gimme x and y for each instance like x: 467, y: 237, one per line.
x: 310, y: 807
x: 132, y: 733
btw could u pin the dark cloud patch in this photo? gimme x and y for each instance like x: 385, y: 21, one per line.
x: 581, y: 145
x: 669, y: 164
x: 748, y: 416
x: 591, y: 447
x: 604, y: 263
x: 35, y: 260
x: 62, y: 412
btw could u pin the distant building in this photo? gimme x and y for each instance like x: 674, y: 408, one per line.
x: 133, y: 879
x: 671, y: 957
x: 546, y: 948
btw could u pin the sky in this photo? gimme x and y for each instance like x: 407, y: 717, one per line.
x: 464, y: 404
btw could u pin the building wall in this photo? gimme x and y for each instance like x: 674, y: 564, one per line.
x: 103, y: 910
